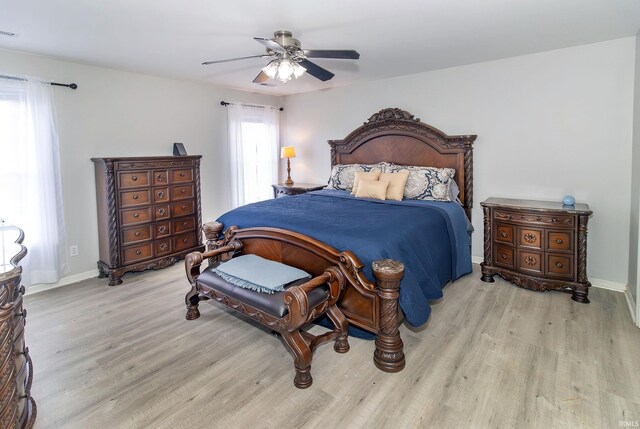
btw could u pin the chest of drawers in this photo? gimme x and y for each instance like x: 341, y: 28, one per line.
x: 537, y: 245
x: 149, y: 213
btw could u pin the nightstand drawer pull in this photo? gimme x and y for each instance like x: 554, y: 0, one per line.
x: 503, y: 256
x: 137, y: 233
x: 503, y: 234
x: 135, y: 196
x: 559, y: 264
x: 136, y: 215
x: 559, y: 241
x: 138, y: 252
x: 181, y: 174
x: 134, y: 178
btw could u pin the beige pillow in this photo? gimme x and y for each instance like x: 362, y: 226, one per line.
x: 372, y: 189
x: 396, y: 184
x: 368, y: 175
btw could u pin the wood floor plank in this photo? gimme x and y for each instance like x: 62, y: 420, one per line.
x: 492, y: 355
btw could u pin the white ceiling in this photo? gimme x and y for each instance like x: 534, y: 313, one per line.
x: 171, y: 38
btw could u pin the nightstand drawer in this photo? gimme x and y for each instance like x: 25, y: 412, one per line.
x: 530, y: 237
x: 555, y: 220
x: 559, y: 241
x: 530, y: 261
x: 560, y: 266
x: 505, y: 233
x: 505, y: 256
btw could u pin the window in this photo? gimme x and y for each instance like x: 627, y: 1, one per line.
x: 31, y: 195
x: 253, y: 149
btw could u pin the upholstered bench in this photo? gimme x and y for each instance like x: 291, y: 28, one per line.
x: 285, y: 312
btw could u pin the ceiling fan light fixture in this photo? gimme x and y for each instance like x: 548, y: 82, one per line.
x: 298, y: 70
x: 271, y: 69
x: 285, y: 70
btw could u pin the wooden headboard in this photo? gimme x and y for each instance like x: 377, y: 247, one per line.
x: 394, y: 135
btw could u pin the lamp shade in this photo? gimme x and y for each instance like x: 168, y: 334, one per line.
x: 287, y: 152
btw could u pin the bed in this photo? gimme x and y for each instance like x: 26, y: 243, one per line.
x: 427, y: 242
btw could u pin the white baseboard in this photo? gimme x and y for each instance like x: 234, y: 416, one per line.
x: 75, y: 278
x: 599, y: 283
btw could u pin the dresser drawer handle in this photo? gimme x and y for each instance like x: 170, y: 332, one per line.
x: 559, y: 264
x: 138, y: 252
x: 135, y: 196
x: 134, y: 178
x: 136, y: 215
x: 184, y: 223
x: 530, y: 238
x: 162, y: 229
x: 163, y: 246
x: 503, y: 256
x: 182, y: 191
x: 559, y: 241
x: 183, y: 207
x: 503, y: 234
x: 137, y: 233
x: 530, y: 260
x: 184, y: 240
x: 160, y: 194
x: 161, y: 212
x: 182, y: 174
x: 160, y: 177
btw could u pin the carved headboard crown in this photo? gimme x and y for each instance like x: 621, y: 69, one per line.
x: 395, y: 135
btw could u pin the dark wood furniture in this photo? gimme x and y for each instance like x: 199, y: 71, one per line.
x: 149, y: 212
x: 537, y: 245
x: 396, y: 136
x: 285, y: 312
x: 282, y: 189
x: 17, y: 407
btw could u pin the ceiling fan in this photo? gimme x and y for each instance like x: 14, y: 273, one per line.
x: 289, y: 60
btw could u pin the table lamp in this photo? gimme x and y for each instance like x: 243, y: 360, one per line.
x: 288, y: 152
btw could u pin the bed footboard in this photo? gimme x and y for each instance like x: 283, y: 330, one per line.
x: 370, y: 306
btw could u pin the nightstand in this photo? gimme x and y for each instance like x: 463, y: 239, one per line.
x: 537, y: 245
x: 282, y: 190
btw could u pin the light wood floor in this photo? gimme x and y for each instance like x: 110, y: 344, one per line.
x: 492, y: 356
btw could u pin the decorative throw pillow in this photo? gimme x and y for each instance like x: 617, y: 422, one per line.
x: 343, y: 175
x: 397, y: 182
x: 428, y: 183
x: 368, y: 175
x: 372, y: 189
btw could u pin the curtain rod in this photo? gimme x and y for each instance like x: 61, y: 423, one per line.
x: 68, y: 85
x: 224, y: 103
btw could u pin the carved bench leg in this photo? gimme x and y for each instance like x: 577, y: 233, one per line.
x: 388, y: 355
x: 192, y: 300
x: 342, y: 326
x: 301, y: 358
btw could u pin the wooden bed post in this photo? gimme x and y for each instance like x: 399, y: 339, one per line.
x: 388, y: 355
x: 212, y: 232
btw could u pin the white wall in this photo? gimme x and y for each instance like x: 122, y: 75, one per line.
x: 115, y: 113
x: 548, y: 124
x: 634, y: 231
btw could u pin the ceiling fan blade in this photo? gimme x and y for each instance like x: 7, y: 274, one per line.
x: 343, y: 55
x: 271, y: 44
x: 206, y: 63
x: 262, y: 77
x: 316, y: 71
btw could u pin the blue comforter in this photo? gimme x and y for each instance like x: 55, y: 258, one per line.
x: 429, y: 237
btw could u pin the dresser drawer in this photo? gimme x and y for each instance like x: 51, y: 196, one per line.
x: 505, y: 256
x: 162, y: 229
x: 560, y: 265
x: 530, y: 237
x: 183, y: 208
x: 181, y: 192
x: 135, y: 234
x: 555, y: 220
x: 530, y: 261
x: 162, y: 247
x: 137, y: 179
x: 184, y: 224
x: 134, y: 216
x: 137, y: 253
x: 184, y: 241
x: 160, y: 177
x: 558, y: 241
x: 161, y: 212
x: 505, y: 233
x: 160, y: 195
x: 134, y: 198
x: 178, y: 176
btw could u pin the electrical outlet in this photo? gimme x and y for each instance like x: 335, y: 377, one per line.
x: 73, y: 250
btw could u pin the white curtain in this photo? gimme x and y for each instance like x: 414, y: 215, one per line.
x: 31, y: 195
x: 253, y: 150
